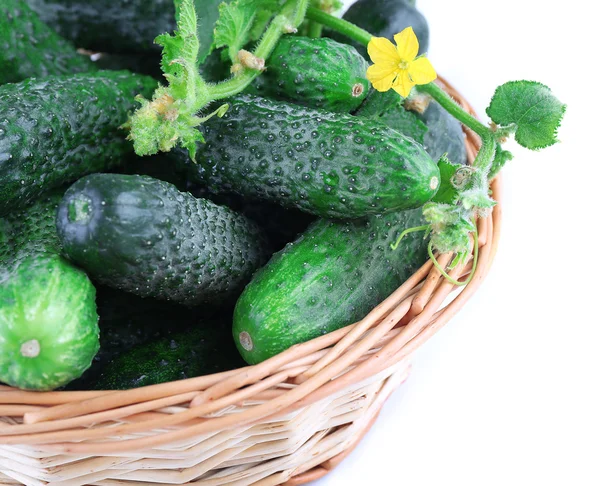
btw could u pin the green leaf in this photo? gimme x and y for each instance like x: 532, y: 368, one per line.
x: 171, y: 116
x: 477, y: 198
x: 208, y: 13
x: 530, y: 106
x: 502, y: 157
x: 446, y: 193
x: 236, y: 20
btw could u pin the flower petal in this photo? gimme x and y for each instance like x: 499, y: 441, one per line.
x: 381, y: 50
x: 403, y: 84
x: 382, y: 76
x: 407, y: 44
x: 421, y: 71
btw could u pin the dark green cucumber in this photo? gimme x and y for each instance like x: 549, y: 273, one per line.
x: 57, y: 129
x: 128, y: 321
x: 438, y: 131
x: 48, y: 319
x: 330, y: 165
x: 29, y: 48
x: 144, y: 236
x: 385, y: 18
x: 319, y: 73
x: 387, y: 108
x: 331, y: 276
x: 444, y: 135
x: 204, y: 349
x: 121, y: 25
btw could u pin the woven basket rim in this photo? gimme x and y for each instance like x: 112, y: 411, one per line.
x: 302, y: 375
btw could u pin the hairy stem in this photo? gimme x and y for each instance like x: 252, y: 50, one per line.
x: 280, y: 25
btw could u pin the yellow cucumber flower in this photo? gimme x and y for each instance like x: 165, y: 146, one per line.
x: 398, y: 67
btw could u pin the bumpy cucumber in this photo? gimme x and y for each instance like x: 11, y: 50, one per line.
x: 444, y: 134
x: 205, y: 348
x: 320, y: 73
x: 128, y: 321
x: 386, y: 18
x: 29, y: 48
x: 144, y: 236
x: 56, y: 129
x: 331, y: 276
x: 387, y: 108
x: 121, y: 25
x: 438, y: 131
x: 330, y: 165
x: 48, y: 319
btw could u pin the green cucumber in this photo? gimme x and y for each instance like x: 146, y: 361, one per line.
x: 128, y: 321
x: 320, y: 73
x: 444, y: 135
x: 29, y: 48
x: 387, y: 108
x: 57, y: 129
x: 385, y: 18
x: 331, y: 276
x: 48, y: 319
x: 438, y: 131
x: 144, y: 236
x: 330, y: 165
x: 203, y: 349
x: 122, y: 25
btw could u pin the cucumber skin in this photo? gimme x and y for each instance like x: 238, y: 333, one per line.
x: 385, y: 18
x: 204, y: 349
x: 332, y: 276
x: 319, y: 73
x: 29, y: 48
x: 146, y: 237
x: 38, y: 289
x: 59, y: 128
x: 444, y: 134
x: 121, y: 26
x: 330, y: 165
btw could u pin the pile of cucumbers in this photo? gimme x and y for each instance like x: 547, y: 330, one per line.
x: 118, y: 271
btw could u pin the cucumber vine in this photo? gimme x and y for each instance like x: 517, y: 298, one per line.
x: 528, y: 110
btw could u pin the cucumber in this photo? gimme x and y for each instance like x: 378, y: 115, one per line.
x: 385, y: 18
x: 320, y: 73
x: 331, y: 276
x: 330, y: 165
x: 56, y: 129
x: 144, y: 236
x: 48, y: 320
x: 438, y: 131
x: 128, y: 321
x: 444, y: 135
x: 204, y: 349
x: 387, y: 108
x: 29, y: 48
x: 122, y: 25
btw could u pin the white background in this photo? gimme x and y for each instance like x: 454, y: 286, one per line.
x: 507, y: 393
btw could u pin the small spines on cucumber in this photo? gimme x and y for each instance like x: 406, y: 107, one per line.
x: 328, y: 164
x: 57, y: 129
x: 319, y: 73
x: 48, y: 319
x: 144, y: 236
x: 29, y: 48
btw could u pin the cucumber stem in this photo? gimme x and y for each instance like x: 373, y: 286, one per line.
x: 339, y: 25
x: 30, y: 349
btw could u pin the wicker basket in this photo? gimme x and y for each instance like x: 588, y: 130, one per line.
x: 288, y: 420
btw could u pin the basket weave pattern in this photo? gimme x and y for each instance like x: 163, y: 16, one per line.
x: 288, y: 420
